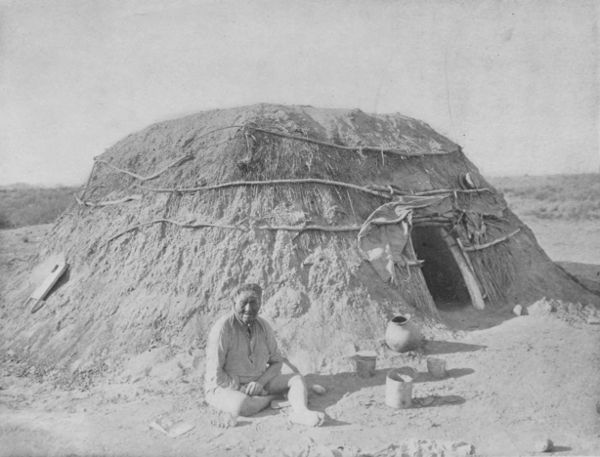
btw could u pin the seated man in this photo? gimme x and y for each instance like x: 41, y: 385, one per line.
x: 243, y: 364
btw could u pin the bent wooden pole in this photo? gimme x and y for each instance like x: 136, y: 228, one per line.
x: 467, y: 273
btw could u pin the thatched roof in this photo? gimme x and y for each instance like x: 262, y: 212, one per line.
x: 155, y: 249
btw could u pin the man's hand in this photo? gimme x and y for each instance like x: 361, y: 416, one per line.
x: 235, y: 383
x: 254, y: 388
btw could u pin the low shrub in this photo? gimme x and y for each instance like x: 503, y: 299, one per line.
x: 574, y: 197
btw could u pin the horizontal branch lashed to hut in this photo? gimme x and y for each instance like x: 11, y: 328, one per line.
x: 290, y: 228
x: 370, y: 189
x: 175, y: 163
x: 478, y: 247
x: 267, y: 183
x: 417, y: 221
x: 108, y: 202
x: 373, y: 190
x: 359, y: 149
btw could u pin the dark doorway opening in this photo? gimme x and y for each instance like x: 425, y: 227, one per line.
x: 442, y: 275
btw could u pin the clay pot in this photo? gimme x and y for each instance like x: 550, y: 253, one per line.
x: 401, y: 335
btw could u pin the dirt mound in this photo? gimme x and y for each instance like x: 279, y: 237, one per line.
x: 573, y: 313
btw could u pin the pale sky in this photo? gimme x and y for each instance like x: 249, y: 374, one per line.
x: 514, y: 82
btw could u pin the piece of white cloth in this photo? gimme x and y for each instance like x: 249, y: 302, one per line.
x: 384, y: 238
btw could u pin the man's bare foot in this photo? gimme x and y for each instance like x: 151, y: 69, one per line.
x: 307, y: 417
x: 222, y: 419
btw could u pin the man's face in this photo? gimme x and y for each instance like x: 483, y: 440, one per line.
x: 246, y: 306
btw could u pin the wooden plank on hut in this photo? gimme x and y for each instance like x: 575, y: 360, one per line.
x: 467, y: 273
x: 40, y: 293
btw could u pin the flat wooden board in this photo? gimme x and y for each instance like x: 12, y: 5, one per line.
x: 55, y: 273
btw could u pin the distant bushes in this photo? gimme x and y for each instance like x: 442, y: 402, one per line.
x: 33, y: 205
x: 4, y: 221
x: 574, y: 197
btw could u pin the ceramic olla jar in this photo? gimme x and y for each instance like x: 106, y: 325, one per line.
x: 401, y: 335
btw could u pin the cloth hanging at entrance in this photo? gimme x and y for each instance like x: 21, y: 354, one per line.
x: 383, y: 237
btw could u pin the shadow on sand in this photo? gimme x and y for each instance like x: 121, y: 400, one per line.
x: 342, y: 385
x: 449, y: 347
x: 561, y: 449
x: 468, y: 318
x: 425, y: 376
x: 432, y: 401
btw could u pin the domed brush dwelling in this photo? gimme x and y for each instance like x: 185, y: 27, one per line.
x: 345, y: 218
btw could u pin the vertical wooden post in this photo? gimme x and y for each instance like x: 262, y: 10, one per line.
x: 467, y: 273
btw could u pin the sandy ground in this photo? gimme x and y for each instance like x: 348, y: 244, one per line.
x: 511, y: 382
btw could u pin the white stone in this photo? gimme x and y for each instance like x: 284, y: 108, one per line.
x: 318, y: 389
x: 518, y: 310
